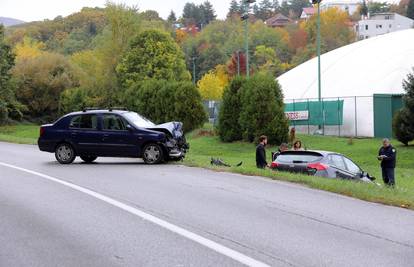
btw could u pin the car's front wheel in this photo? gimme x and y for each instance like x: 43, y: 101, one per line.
x: 152, y: 154
x: 65, y: 154
x: 88, y: 159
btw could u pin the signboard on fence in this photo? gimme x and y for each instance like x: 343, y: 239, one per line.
x: 299, y: 115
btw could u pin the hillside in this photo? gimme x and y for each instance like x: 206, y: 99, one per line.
x: 10, y: 21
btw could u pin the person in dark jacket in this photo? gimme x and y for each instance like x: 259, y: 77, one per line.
x: 261, y: 153
x: 387, y: 155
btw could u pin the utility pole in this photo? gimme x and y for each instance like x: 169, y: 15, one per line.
x: 245, y: 18
x: 318, y: 51
x: 238, y: 62
x: 194, y: 70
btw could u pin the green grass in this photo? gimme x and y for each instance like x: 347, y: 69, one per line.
x: 20, y: 134
x: 362, y: 151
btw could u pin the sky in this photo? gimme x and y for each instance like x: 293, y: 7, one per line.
x: 31, y: 10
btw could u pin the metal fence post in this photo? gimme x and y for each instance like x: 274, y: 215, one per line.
x: 356, y: 117
x: 309, y: 117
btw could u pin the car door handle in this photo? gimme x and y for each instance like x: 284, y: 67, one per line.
x: 105, y: 136
x: 74, y: 134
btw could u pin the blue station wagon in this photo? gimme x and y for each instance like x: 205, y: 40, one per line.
x: 92, y: 133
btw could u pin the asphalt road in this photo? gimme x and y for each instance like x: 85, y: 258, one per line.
x: 195, y: 217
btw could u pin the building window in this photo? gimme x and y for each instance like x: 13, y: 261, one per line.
x: 378, y: 26
x: 390, y: 26
x: 366, y: 27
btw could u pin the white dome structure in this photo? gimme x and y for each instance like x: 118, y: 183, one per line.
x: 372, y: 66
x: 366, y: 77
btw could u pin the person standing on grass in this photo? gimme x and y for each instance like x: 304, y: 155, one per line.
x: 261, y: 162
x: 387, y: 155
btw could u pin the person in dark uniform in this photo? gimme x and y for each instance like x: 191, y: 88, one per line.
x: 261, y: 153
x: 387, y: 155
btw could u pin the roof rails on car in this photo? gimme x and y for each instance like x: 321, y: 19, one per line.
x: 118, y: 108
x: 109, y: 109
x: 88, y: 109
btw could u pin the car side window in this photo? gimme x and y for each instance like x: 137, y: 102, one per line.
x: 113, y: 122
x: 337, y: 161
x: 352, y: 167
x: 87, y: 121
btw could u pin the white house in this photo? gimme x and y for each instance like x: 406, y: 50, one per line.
x: 382, y: 23
x: 307, y: 12
x: 351, y: 6
x: 365, y: 77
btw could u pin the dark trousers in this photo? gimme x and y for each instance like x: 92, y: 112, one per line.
x: 388, y: 176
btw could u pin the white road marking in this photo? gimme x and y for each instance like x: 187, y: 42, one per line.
x: 246, y: 260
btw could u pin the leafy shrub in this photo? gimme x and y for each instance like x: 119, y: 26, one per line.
x: 401, y: 127
x: 229, y: 128
x: 262, y: 110
x: 163, y: 101
x: 74, y: 99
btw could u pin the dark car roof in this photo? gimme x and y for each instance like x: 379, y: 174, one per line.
x: 321, y: 152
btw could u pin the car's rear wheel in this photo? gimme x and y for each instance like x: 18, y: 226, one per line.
x: 65, y: 154
x: 153, y: 154
x: 88, y: 159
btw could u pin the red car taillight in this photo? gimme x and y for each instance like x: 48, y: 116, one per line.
x: 318, y: 166
x: 274, y: 165
x: 42, y: 131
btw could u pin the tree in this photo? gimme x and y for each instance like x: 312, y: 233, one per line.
x: 284, y: 8
x: 150, y: 15
x: 9, y: 107
x: 276, y: 6
x: 262, y: 110
x: 234, y: 10
x: 410, y: 9
x: 403, y: 123
x: 152, y: 55
x: 192, y: 15
x: 335, y: 30
x: 163, y: 101
x: 266, y: 61
x: 237, y: 64
x: 172, y: 18
x: 40, y: 81
x: 209, y: 58
x: 378, y: 7
x: 212, y: 84
x: 265, y: 10
x: 296, y: 6
x: 363, y: 11
x: 208, y: 13
x: 228, y: 123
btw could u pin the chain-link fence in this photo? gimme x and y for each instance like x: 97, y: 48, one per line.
x: 337, y: 116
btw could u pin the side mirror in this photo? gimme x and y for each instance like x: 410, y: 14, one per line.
x: 130, y: 128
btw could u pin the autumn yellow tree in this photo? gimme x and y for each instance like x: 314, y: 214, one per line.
x: 336, y: 29
x: 212, y: 84
x: 28, y: 49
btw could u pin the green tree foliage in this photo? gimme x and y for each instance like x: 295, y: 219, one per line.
x: 163, y: 101
x: 410, y: 9
x: 74, y: 99
x: 229, y: 128
x: 264, y: 10
x: 296, y: 6
x: 40, y: 81
x: 152, y: 55
x: 9, y: 107
x: 172, y: 18
x: 363, y: 11
x: 266, y: 61
x: 199, y: 15
x: 263, y: 110
x: 378, y: 7
x: 234, y: 10
x: 403, y: 123
x: 401, y: 127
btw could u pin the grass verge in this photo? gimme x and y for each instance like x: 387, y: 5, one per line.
x: 20, y: 134
x: 362, y: 151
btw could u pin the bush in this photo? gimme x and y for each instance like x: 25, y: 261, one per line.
x: 228, y: 124
x: 401, y: 127
x: 163, y: 101
x: 74, y: 99
x: 263, y: 110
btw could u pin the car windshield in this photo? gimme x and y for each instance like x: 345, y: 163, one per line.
x: 138, y: 120
x: 298, y: 157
